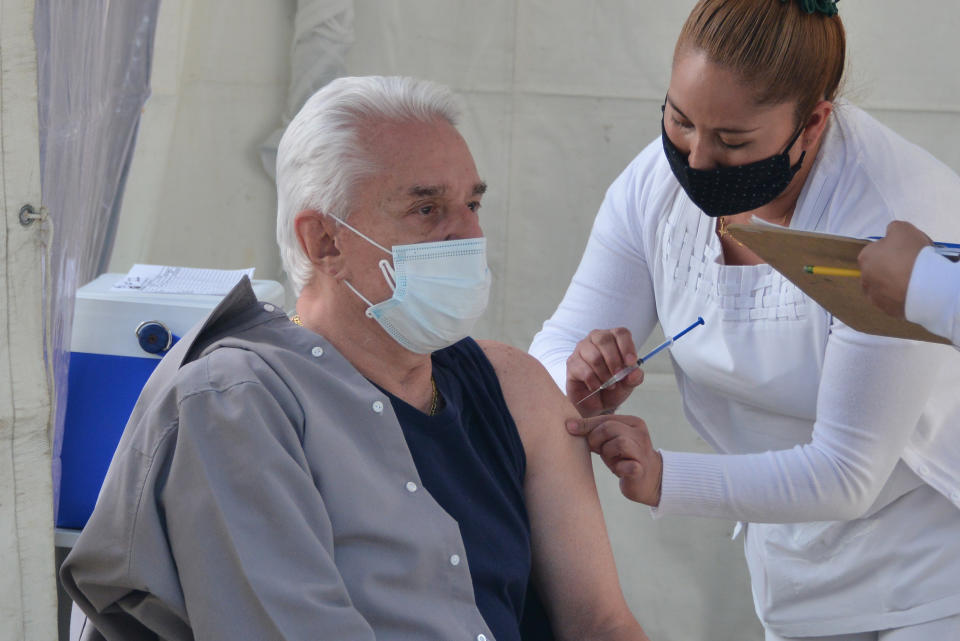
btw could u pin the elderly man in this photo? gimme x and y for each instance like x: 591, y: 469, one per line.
x: 363, y: 470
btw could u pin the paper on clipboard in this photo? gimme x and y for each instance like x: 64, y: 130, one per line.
x: 165, y: 279
x: 788, y: 250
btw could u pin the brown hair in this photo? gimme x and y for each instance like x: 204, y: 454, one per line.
x: 781, y: 50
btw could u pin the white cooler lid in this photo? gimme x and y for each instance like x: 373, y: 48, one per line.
x: 105, y: 320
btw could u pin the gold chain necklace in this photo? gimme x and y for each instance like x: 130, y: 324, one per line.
x: 722, y: 231
x: 434, y: 400
x: 436, y: 397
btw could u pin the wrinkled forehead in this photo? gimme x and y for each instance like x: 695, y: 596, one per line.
x: 421, y: 160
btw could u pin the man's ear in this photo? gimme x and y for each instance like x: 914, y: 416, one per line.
x: 315, y: 233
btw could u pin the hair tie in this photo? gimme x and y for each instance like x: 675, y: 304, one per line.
x: 826, y: 7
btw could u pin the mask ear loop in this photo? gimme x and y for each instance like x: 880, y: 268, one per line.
x: 385, y: 267
x: 353, y: 289
x: 364, y: 236
x: 388, y: 274
x: 793, y: 141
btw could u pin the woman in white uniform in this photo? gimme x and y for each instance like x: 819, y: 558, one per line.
x: 841, y: 450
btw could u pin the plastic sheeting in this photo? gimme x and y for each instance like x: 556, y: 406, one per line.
x: 323, y: 33
x: 94, y: 61
x: 27, y: 589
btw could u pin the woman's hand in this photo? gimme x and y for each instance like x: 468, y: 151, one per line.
x: 596, y: 358
x: 623, y: 443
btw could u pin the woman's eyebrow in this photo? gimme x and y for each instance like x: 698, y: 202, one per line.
x: 723, y: 130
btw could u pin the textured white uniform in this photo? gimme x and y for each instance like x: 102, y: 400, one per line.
x: 842, y: 449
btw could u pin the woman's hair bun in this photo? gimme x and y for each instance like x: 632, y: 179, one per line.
x: 826, y: 7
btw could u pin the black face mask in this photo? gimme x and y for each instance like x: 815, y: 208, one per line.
x: 725, y: 191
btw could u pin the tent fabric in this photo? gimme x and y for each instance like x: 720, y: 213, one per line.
x: 94, y: 60
x: 323, y: 33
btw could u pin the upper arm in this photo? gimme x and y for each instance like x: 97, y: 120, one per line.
x: 573, y: 563
x: 247, y: 526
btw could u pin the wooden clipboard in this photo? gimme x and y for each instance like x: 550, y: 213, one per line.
x: 788, y: 250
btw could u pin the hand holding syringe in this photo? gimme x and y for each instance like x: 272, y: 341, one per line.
x: 626, y: 371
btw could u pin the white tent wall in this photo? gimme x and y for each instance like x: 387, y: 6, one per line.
x: 559, y: 96
x: 27, y: 588
x: 219, y: 86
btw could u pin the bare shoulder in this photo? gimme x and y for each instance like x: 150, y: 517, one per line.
x: 510, y: 361
x: 518, y: 371
x: 534, y: 400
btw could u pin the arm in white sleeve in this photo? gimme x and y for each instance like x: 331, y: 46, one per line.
x: 611, y: 287
x: 933, y: 296
x: 871, y: 395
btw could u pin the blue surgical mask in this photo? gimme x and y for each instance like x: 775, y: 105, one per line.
x: 440, y: 289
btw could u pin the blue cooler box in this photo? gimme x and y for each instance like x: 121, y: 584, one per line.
x: 108, y: 368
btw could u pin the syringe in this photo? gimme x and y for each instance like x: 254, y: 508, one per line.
x: 626, y: 371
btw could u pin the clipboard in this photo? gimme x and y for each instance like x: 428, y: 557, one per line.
x: 788, y: 250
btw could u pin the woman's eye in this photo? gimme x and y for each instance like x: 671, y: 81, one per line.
x: 728, y: 145
x: 682, y: 124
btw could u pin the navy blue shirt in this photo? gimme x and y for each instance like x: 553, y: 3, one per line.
x: 471, y: 460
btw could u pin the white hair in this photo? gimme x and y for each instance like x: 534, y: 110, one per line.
x: 320, y: 158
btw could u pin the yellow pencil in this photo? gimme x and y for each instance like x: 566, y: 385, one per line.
x: 831, y: 271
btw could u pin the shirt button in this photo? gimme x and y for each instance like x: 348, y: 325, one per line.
x: 955, y: 496
x: 317, y: 351
x: 378, y: 407
x: 923, y: 470
x: 411, y: 486
x: 454, y: 559
x: 481, y: 637
x: 268, y: 307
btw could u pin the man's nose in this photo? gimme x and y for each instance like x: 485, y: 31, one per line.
x: 465, y: 225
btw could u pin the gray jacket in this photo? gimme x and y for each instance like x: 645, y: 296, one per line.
x: 263, y: 490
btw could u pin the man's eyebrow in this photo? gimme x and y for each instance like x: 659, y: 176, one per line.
x: 428, y: 191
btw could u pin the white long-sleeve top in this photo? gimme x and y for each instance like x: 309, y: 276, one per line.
x: 841, y: 449
x: 933, y: 296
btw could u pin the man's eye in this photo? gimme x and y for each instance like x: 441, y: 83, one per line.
x: 426, y: 210
x: 474, y: 206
